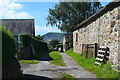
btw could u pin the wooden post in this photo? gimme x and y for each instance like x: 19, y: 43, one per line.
x: 95, y: 50
x: 86, y: 51
x: 82, y: 49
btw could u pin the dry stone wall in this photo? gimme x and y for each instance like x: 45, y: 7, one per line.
x: 105, y: 31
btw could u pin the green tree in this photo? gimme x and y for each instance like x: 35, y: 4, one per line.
x: 8, y: 45
x: 54, y: 42
x: 67, y: 15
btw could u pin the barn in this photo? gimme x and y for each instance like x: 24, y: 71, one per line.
x: 19, y: 26
x: 103, y: 29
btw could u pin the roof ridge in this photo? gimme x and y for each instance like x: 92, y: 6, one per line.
x: 98, y: 14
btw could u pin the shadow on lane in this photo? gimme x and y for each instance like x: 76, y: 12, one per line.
x: 33, y: 77
x: 45, y: 57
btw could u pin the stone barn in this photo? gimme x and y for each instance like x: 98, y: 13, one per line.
x: 102, y: 28
x: 20, y: 26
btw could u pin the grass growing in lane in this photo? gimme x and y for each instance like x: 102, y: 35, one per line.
x: 29, y: 61
x: 68, y: 77
x: 103, y: 71
x: 57, y: 59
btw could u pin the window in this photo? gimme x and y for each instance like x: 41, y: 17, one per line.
x: 76, y: 37
x: 16, y: 39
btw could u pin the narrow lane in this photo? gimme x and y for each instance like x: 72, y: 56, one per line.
x: 79, y: 72
x: 45, y: 69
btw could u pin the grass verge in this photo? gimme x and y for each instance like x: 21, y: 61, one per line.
x: 68, y: 77
x: 29, y: 61
x: 103, y: 71
x: 57, y: 58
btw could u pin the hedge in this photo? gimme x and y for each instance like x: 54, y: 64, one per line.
x: 39, y: 46
x: 8, y: 45
x: 24, y: 39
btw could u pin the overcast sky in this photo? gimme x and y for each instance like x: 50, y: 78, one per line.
x: 9, y: 9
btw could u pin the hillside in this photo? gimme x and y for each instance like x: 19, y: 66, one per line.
x: 50, y: 36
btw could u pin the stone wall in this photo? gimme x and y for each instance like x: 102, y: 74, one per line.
x: 119, y: 41
x: 105, y: 31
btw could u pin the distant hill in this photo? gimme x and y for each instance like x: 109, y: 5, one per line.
x: 50, y: 36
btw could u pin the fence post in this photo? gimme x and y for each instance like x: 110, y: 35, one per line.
x: 95, y: 50
x: 82, y: 49
x: 86, y: 51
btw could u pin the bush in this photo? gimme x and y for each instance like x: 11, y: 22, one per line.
x: 54, y: 42
x: 40, y: 47
x: 68, y: 77
x: 39, y: 37
x: 25, y: 39
x: 70, y: 44
x: 50, y: 48
x: 8, y: 45
x: 59, y: 45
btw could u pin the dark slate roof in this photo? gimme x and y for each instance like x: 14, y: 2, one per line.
x: 20, y: 26
x: 97, y: 15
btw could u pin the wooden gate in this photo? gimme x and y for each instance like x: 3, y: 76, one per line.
x: 89, y: 50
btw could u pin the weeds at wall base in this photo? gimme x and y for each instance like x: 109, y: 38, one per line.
x: 102, y: 72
